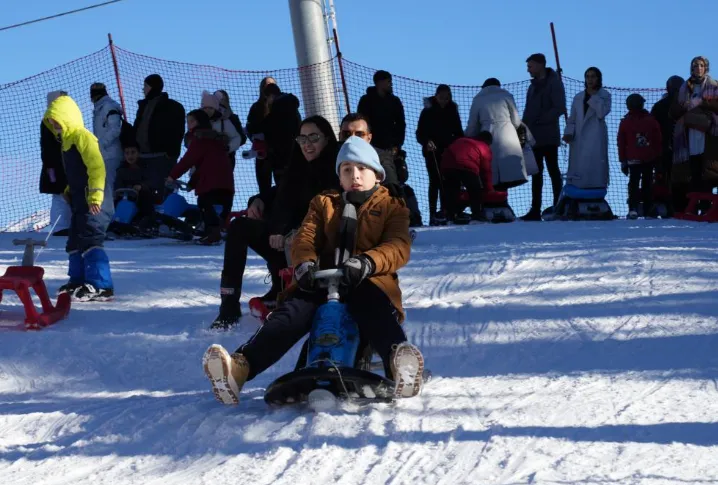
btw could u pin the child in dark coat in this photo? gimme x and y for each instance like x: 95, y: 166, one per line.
x: 212, y: 180
x: 131, y: 175
x: 640, y: 147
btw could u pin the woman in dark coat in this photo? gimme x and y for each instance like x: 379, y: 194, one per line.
x: 274, y: 214
x: 439, y: 125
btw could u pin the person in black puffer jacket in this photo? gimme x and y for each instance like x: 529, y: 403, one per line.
x: 255, y: 131
x: 274, y: 214
x: 53, y: 179
x: 439, y: 125
x: 385, y: 114
x: 280, y: 127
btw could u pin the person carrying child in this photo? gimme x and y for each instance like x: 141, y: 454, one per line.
x: 89, y: 265
x: 640, y: 147
x: 212, y: 180
x: 378, y: 224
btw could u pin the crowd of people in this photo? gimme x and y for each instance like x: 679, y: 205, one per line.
x: 343, y: 202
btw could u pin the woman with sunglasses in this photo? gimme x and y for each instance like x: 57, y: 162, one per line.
x: 271, y: 217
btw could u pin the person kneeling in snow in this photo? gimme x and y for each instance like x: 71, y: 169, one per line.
x: 89, y: 270
x: 467, y: 162
x: 368, y: 230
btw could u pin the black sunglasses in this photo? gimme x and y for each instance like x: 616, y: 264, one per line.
x: 310, y: 138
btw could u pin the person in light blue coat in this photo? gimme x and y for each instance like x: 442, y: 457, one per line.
x: 107, y: 126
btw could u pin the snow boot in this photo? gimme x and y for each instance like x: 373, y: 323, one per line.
x: 76, y: 272
x: 226, y: 372
x: 407, y: 367
x: 229, y: 311
x: 213, y: 237
x: 88, y: 292
x: 462, y: 219
x: 438, y: 219
x: 532, y: 216
x: 98, y: 278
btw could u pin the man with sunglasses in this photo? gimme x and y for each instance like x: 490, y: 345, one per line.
x: 385, y: 112
x: 354, y: 124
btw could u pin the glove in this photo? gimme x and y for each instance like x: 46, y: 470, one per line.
x: 304, y: 274
x: 356, y: 269
x: 624, y: 168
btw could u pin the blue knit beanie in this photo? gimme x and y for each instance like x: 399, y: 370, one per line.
x: 357, y: 150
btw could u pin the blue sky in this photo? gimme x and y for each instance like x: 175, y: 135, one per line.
x: 636, y: 43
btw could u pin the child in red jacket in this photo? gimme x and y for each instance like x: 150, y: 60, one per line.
x: 640, y: 147
x: 467, y: 162
x: 212, y: 180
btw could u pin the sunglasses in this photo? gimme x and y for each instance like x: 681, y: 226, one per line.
x: 348, y: 133
x: 311, y: 138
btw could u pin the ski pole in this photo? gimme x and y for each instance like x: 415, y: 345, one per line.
x: 46, y: 238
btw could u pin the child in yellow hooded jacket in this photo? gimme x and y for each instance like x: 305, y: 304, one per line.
x: 89, y: 266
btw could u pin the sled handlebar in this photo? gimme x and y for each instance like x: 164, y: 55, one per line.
x: 28, y: 257
x: 330, y: 278
x: 328, y: 274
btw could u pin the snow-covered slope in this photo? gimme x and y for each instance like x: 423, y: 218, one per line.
x: 562, y: 353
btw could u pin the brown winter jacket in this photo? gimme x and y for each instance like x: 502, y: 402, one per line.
x: 382, y: 234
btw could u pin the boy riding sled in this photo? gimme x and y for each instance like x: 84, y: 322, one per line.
x: 366, y: 231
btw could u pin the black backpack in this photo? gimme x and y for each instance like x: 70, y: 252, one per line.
x: 402, y: 169
x: 127, y: 132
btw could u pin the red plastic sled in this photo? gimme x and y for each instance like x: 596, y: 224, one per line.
x: 20, y: 279
x: 691, y: 213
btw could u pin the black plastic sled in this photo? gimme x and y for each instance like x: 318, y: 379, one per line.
x: 345, y: 383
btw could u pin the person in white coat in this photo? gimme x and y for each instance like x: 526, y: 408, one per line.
x: 211, y: 106
x: 494, y: 110
x: 107, y: 127
x: 587, y: 134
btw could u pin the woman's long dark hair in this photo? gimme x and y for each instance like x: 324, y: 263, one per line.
x: 599, y: 75
x: 326, y: 129
x: 202, y: 119
x: 262, y: 98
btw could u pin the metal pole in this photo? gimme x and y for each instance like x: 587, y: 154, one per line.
x: 312, y: 48
x: 117, y: 75
x: 340, y: 60
x: 558, y: 62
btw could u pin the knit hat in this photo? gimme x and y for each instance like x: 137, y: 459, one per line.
x: 98, y: 90
x: 635, y: 101
x: 53, y: 95
x: 209, y: 100
x: 357, y: 150
x: 155, y: 82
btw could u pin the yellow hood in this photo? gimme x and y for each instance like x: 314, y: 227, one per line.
x: 67, y: 114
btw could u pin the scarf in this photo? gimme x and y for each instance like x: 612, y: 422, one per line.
x: 709, y: 92
x: 348, y: 224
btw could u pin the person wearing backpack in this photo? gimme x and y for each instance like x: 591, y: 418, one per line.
x: 107, y: 122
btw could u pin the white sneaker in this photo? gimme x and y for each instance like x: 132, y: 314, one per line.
x: 226, y: 372
x: 407, y: 366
